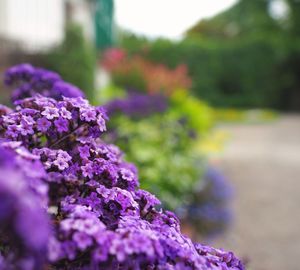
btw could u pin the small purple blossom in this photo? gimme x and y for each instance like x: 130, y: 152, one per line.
x: 88, y: 115
x: 82, y: 240
x: 50, y: 113
x: 61, y: 164
x: 12, y: 131
x: 65, y: 113
x: 25, y: 128
x: 61, y: 124
x: 87, y: 170
x: 84, y: 151
x: 127, y: 175
x: 43, y: 124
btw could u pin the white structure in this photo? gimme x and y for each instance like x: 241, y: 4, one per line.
x: 39, y: 24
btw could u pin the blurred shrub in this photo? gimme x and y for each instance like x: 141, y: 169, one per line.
x: 199, y: 116
x: 137, y: 105
x: 74, y: 60
x: 238, y: 73
x: 135, y: 72
x: 209, y: 210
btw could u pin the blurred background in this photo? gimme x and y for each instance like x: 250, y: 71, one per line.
x: 203, y: 96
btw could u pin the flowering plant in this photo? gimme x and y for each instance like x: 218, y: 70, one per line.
x: 98, y: 217
x: 135, y: 72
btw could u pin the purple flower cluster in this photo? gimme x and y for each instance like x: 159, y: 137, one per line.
x: 30, y: 81
x: 100, y: 218
x: 39, y: 120
x: 24, y: 225
x: 138, y: 105
x: 209, y: 210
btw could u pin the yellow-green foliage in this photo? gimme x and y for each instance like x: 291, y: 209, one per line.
x: 199, y: 116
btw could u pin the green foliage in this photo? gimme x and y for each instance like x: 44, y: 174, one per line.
x: 238, y: 74
x: 163, y: 151
x: 74, y: 59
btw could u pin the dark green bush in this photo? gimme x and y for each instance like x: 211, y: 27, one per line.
x: 239, y: 73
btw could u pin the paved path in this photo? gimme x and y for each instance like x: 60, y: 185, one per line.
x: 263, y: 162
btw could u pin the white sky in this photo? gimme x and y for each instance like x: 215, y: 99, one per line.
x: 165, y: 18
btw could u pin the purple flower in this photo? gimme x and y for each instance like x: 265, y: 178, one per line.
x: 65, y: 113
x: 82, y: 240
x: 43, y: 124
x: 25, y: 128
x: 127, y: 175
x: 64, y: 155
x: 87, y: 170
x: 61, y: 164
x: 88, y: 115
x: 61, y: 124
x: 50, y: 112
x: 12, y: 131
x: 84, y: 151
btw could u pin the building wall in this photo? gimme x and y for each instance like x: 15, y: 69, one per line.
x: 83, y: 14
x: 34, y: 24
x: 39, y: 24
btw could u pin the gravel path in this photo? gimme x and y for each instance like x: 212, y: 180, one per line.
x: 263, y: 163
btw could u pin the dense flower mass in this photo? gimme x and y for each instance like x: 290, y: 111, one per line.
x: 24, y: 228
x: 40, y: 121
x: 100, y: 218
x: 30, y: 81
